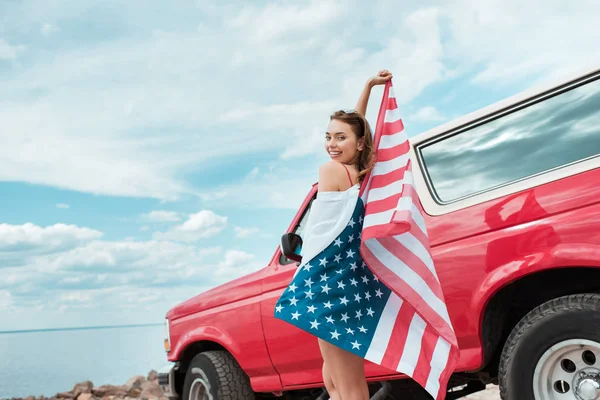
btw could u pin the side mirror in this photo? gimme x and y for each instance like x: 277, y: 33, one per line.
x: 291, y: 244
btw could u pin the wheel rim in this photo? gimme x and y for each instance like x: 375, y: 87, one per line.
x: 200, y: 390
x: 569, y: 370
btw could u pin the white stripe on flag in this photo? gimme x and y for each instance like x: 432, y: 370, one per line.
x: 389, y: 190
x: 384, y: 328
x: 392, y: 115
x: 418, y: 218
x: 416, y: 247
x: 384, y: 167
x: 389, y: 141
x: 391, y: 93
x: 412, y: 346
x: 439, y: 359
x: 409, y: 276
x: 384, y: 217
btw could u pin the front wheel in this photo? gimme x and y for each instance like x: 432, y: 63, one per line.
x: 216, y: 375
x: 554, y: 352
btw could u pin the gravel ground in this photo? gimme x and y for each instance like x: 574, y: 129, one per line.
x: 491, y: 393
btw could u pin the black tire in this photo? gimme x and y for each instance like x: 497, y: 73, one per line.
x: 558, y: 320
x: 220, y: 374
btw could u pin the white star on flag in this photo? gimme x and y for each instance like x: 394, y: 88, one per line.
x: 337, y: 258
x: 296, y: 315
x: 338, y: 242
x: 311, y: 309
x: 335, y: 334
x: 314, y: 324
x: 323, y: 261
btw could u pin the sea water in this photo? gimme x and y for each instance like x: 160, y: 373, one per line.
x: 34, y: 363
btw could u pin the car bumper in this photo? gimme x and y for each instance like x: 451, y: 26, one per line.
x: 166, y: 380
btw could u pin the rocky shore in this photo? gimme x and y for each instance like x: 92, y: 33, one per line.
x: 146, y: 388
x: 138, y: 387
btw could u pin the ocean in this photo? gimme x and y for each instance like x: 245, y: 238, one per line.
x: 34, y: 363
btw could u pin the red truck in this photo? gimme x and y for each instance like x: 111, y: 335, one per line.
x: 512, y: 200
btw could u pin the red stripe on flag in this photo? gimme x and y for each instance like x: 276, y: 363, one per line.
x: 391, y: 128
x: 448, y: 371
x: 379, y: 181
x: 407, y: 293
x: 395, y: 347
x: 428, y: 342
x: 416, y: 264
x: 393, y: 152
x: 384, y: 230
x: 392, y: 104
x: 387, y: 204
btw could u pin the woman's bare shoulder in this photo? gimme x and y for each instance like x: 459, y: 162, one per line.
x: 331, y: 175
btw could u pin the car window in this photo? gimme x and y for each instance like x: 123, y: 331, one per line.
x: 549, y: 134
x: 298, y: 230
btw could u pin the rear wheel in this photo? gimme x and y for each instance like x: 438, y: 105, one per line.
x: 216, y: 375
x: 554, y: 352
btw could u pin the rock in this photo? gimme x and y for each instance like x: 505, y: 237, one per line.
x: 29, y: 398
x: 151, y: 389
x: 84, y: 396
x: 152, y: 375
x: 110, y: 390
x: 82, y: 387
x: 135, y: 382
x: 66, y: 395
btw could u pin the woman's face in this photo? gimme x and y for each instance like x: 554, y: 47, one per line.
x: 341, y: 142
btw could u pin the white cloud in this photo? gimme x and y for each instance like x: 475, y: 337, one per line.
x: 62, y: 205
x: 428, y: 114
x: 9, y: 52
x: 500, y: 36
x: 162, y: 216
x: 5, y: 299
x: 47, y: 29
x: 201, y: 225
x: 275, y: 20
x: 34, y: 239
x: 245, y: 232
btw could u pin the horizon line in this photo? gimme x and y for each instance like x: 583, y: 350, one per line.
x: 78, y: 328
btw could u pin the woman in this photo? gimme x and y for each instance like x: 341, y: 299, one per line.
x: 324, y: 297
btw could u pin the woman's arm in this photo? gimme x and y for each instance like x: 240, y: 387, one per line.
x: 382, y: 77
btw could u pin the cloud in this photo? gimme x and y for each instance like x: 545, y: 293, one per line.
x: 428, y: 114
x: 31, y: 239
x: 499, y: 37
x: 62, y: 205
x: 162, y: 216
x: 48, y: 29
x: 275, y: 21
x: 9, y: 52
x: 245, y: 232
x: 201, y: 225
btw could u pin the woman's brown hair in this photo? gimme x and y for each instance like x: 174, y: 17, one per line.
x: 361, y: 128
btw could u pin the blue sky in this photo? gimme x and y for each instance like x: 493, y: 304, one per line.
x: 150, y: 151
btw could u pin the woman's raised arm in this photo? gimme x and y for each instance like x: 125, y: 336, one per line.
x: 381, y: 78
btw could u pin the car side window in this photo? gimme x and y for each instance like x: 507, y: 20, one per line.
x: 551, y: 133
x: 298, y: 230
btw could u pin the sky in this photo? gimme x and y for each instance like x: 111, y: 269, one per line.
x: 152, y: 150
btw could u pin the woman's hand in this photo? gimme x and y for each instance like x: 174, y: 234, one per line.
x: 381, y: 78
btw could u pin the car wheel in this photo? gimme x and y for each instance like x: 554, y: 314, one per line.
x: 216, y: 375
x: 554, y: 352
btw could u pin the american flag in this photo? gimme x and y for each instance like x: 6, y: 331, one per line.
x: 374, y: 291
x: 415, y: 335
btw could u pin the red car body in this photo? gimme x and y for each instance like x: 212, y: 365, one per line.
x: 498, y: 254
